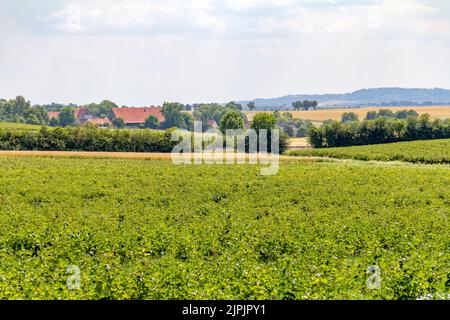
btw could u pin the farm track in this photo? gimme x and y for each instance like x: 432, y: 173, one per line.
x: 119, y: 155
x: 166, y: 157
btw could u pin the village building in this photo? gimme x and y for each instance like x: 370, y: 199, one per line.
x: 52, y: 114
x: 135, y: 117
x: 213, y: 124
x: 82, y: 115
x: 100, y: 122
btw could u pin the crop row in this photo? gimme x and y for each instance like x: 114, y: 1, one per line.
x: 152, y: 230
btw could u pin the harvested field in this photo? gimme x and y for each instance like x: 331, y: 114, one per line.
x: 436, y: 112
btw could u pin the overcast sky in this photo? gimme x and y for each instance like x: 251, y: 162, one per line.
x: 143, y: 52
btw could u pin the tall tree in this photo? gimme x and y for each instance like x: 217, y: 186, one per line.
x: 172, y: 114
x: 251, y: 106
x: 101, y: 109
x: 54, y: 122
x: 118, y: 123
x: 187, y: 121
x: 349, y: 117
x: 231, y: 120
x: 152, y: 122
x: 234, y: 105
x: 66, y: 117
x: 297, y: 105
x: 263, y: 121
x: 212, y: 111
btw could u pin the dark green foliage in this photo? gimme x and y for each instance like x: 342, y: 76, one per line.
x: 56, y: 106
x: 287, y: 123
x: 305, y: 105
x: 302, y: 127
x: 234, y: 105
x: 263, y: 120
x: 102, y: 109
x: 214, y: 111
x: 349, y: 117
x: 172, y: 114
x: 86, y: 139
x: 91, y: 138
x: 19, y: 110
x: 297, y: 105
x: 118, y: 123
x: 289, y: 131
x: 251, y: 105
x: 292, y: 127
x: 151, y: 123
x: 380, y: 130
x: 267, y: 121
x: 386, y: 113
x: 231, y: 120
x: 54, y: 122
x: 66, y: 117
x: 187, y: 122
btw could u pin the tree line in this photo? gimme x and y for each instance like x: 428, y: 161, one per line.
x: 19, y: 110
x: 378, y: 130
x: 383, y: 113
x: 86, y: 138
x: 305, y: 105
x: 292, y: 127
x: 91, y: 138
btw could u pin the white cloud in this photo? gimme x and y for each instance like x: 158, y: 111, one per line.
x: 108, y: 16
x: 145, y: 52
x: 239, y: 19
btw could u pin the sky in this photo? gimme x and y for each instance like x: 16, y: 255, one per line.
x: 145, y: 52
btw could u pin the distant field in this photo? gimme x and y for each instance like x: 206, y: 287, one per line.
x: 19, y: 126
x: 298, y: 143
x: 436, y: 112
x: 429, y: 151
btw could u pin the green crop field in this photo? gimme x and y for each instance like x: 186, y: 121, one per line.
x: 19, y: 126
x: 140, y: 229
x: 427, y: 151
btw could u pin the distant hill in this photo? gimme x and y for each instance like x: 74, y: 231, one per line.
x: 364, y: 97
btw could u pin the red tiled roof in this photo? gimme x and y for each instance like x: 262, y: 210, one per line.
x: 99, y: 121
x: 212, y: 123
x: 80, y: 112
x: 137, y: 115
x: 52, y: 114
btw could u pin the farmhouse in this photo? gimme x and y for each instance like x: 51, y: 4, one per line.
x: 53, y: 114
x: 133, y: 117
x: 213, y: 124
x: 100, y: 122
x: 82, y: 115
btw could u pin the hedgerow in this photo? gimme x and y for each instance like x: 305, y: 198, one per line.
x: 90, y: 138
x: 382, y: 130
x: 86, y: 139
x: 428, y: 152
